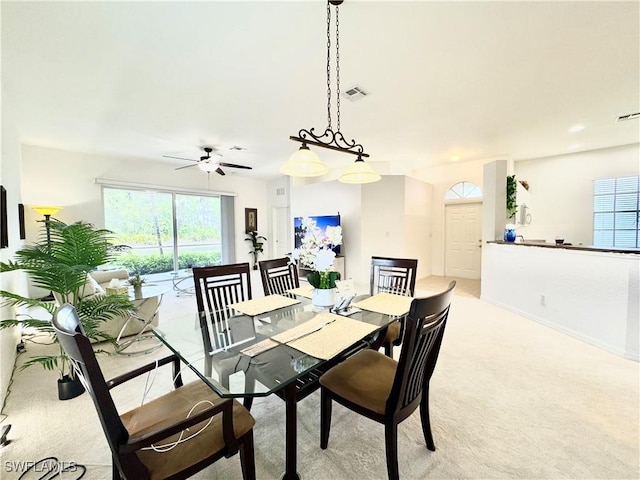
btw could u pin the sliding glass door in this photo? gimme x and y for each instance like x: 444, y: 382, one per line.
x: 165, y: 231
x: 199, y: 223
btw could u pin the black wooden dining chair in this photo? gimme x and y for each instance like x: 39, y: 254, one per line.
x: 397, y: 276
x: 278, y: 276
x: 162, y: 438
x: 217, y: 287
x: 378, y: 387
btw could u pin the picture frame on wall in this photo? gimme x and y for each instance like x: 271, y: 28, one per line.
x: 4, y: 235
x: 250, y: 220
x: 23, y: 231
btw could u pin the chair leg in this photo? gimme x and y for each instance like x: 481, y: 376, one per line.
x: 424, y: 418
x: 115, y: 473
x: 248, y: 401
x: 207, y: 366
x: 247, y: 458
x: 388, y: 349
x: 391, y: 446
x: 325, y: 418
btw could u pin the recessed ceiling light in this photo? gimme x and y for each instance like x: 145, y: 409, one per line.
x: 455, y: 158
x: 574, y: 146
x: 576, y: 128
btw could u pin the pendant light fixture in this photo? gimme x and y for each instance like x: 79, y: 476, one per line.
x: 305, y: 163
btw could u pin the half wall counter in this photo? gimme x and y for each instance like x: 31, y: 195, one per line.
x: 590, y: 293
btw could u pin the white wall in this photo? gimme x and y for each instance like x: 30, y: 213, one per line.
x: 10, y: 173
x: 418, y: 211
x: 331, y: 198
x: 396, y: 221
x: 443, y: 177
x: 278, y: 192
x: 590, y: 295
x: 63, y: 178
x: 383, y: 233
x: 560, y: 196
x: 387, y: 218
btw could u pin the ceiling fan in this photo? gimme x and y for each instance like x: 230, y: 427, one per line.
x: 209, y: 163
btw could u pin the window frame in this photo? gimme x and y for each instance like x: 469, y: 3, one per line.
x: 227, y: 205
x: 617, y: 209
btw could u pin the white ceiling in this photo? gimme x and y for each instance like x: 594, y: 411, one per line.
x: 476, y: 80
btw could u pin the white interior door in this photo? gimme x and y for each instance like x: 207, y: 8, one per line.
x: 463, y: 240
x: 281, y: 244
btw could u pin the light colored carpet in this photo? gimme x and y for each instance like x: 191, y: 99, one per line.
x: 510, y: 399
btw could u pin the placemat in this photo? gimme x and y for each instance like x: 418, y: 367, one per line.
x: 260, y: 347
x: 304, y: 291
x: 305, y: 328
x: 264, y: 304
x: 333, y: 336
x: 386, y: 303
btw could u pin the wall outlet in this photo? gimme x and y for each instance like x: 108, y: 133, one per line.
x: 543, y: 300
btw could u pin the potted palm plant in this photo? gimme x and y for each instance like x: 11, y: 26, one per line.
x: 257, y: 242
x: 60, y: 263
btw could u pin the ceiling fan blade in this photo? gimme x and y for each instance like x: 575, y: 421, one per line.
x: 233, y: 165
x: 180, y: 158
x: 186, y: 166
x: 219, y: 170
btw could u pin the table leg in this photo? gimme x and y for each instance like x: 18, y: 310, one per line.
x: 143, y: 334
x: 291, y: 433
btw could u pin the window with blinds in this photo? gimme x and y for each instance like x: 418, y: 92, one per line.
x: 615, y: 212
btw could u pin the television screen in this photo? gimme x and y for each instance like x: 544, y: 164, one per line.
x: 322, y: 222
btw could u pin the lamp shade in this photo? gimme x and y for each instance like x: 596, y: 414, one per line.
x: 46, y: 210
x: 360, y: 172
x: 304, y: 163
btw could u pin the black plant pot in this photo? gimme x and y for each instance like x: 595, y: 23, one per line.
x: 69, y: 388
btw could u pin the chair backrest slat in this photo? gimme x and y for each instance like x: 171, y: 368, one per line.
x: 278, y: 276
x: 425, y: 326
x: 393, y: 275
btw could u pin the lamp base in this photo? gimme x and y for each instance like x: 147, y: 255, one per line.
x: 47, y: 298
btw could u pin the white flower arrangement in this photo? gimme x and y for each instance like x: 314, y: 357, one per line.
x: 316, y: 253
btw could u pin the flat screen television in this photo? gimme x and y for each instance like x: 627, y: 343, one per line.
x: 322, y: 221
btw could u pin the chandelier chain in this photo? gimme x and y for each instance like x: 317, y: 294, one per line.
x: 337, y: 68
x: 329, y: 66
x: 333, y: 140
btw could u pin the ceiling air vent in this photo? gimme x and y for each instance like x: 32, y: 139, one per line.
x: 355, y: 93
x: 631, y: 116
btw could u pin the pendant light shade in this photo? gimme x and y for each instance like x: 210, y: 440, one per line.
x: 304, y: 163
x: 360, y: 172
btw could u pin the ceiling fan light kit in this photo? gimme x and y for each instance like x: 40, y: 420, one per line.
x: 305, y: 163
x: 208, y: 164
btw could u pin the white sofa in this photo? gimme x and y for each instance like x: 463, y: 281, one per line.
x: 146, y: 308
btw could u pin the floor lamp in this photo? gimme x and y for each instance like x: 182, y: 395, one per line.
x: 47, y: 212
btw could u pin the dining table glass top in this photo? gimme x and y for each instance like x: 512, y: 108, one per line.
x: 256, y: 355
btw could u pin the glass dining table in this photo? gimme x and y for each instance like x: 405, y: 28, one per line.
x: 283, y: 351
